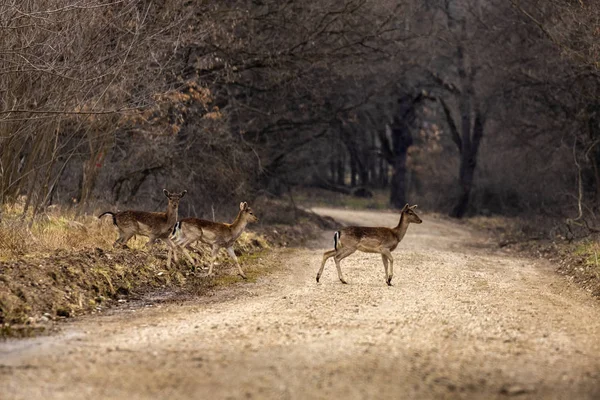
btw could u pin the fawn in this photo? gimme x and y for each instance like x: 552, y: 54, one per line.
x: 370, y: 240
x: 155, y: 225
x: 216, y: 234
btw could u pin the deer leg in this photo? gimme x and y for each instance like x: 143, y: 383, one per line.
x: 119, y: 240
x: 187, y: 254
x: 341, y: 254
x: 150, y: 242
x: 122, y: 239
x: 195, y: 250
x: 388, y: 255
x: 385, y: 265
x: 326, y: 256
x: 189, y: 257
x: 213, y: 257
x: 172, y: 252
x: 232, y: 255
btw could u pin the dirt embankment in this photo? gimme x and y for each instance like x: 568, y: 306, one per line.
x: 463, y: 320
x: 36, y: 292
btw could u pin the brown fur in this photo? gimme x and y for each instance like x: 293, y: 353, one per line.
x: 216, y: 234
x: 154, y: 225
x: 371, y: 240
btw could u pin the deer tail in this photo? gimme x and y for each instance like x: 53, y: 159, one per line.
x: 109, y: 213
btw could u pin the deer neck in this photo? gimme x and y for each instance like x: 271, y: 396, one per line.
x: 400, y: 229
x: 172, y: 214
x: 238, y: 226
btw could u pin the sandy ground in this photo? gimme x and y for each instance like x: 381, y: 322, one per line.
x: 463, y: 320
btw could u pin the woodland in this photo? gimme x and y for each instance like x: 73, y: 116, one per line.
x: 465, y: 107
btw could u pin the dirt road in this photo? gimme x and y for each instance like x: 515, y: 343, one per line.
x: 463, y: 320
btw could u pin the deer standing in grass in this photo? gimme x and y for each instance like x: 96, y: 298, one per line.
x: 216, y: 234
x: 155, y: 225
x: 370, y: 240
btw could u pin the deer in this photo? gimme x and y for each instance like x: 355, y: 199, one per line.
x: 154, y: 225
x: 216, y: 234
x: 370, y: 240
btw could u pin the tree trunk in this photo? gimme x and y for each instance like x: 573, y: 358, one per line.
x: 332, y: 160
x: 383, y: 173
x: 401, y: 141
x: 353, y: 170
x: 363, y: 169
x: 372, y: 160
x: 341, y: 169
x: 398, y: 189
x: 468, y: 163
x: 594, y: 135
x: 465, y: 176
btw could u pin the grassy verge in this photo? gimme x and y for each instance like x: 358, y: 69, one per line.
x: 60, y: 267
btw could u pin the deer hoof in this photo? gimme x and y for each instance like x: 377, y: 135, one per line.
x: 389, y: 282
x: 318, y: 277
x: 343, y: 281
x: 243, y: 276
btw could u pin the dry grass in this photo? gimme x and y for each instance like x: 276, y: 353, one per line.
x: 55, y: 230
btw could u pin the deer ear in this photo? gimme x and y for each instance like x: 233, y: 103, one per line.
x: 166, y: 192
x: 242, y: 205
x: 183, y: 193
x: 405, y: 207
x: 413, y: 207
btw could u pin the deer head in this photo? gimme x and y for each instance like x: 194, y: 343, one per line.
x: 174, y: 198
x: 246, y: 212
x: 411, y: 215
